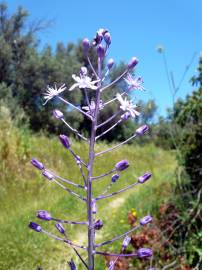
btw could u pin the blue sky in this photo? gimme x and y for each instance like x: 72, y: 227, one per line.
x: 137, y: 28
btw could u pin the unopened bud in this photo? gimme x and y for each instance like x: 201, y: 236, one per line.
x: 110, y: 63
x: 100, y: 51
x: 48, y: 175
x: 86, y: 45
x: 98, y: 224
x: 34, y: 226
x: 37, y: 164
x: 144, y: 252
x: 107, y: 38
x: 115, y: 177
x: 60, y: 228
x: 42, y: 214
x: 122, y: 165
x: 58, y: 114
x: 145, y: 220
x: 65, y: 141
x: 133, y: 62
x: 144, y: 177
x: 142, y: 130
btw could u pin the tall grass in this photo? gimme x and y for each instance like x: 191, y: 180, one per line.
x: 23, y: 191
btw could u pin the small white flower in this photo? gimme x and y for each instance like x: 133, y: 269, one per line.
x: 127, y: 106
x: 134, y: 83
x: 52, y: 92
x: 83, y: 82
x: 91, y: 108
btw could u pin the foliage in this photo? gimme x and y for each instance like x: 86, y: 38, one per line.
x: 23, y: 191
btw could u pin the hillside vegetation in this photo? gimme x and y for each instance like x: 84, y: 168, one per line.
x: 23, y: 191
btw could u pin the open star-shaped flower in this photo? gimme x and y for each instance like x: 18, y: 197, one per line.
x: 83, y: 81
x: 52, y: 92
x: 134, y: 83
x: 127, y: 106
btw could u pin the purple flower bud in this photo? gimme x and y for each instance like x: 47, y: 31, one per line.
x: 65, y: 141
x: 83, y: 71
x: 98, y: 224
x: 145, y: 220
x: 133, y: 62
x: 143, y: 178
x: 115, y: 177
x: 142, y: 130
x: 94, y: 207
x: 60, y: 228
x: 125, y: 116
x: 110, y: 63
x: 144, y: 252
x: 72, y: 265
x: 152, y: 268
x: 107, y: 38
x: 34, y: 226
x: 42, y: 214
x: 101, y: 51
x: 37, y: 164
x: 122, y: 165
x: 126, y: 242
x: 58, y: 114
x: 86, y: 45
x: 48, y: 175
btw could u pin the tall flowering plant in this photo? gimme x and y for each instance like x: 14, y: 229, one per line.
x: 127, y: 109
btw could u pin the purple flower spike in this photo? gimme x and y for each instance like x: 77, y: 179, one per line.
x: 101, y: 51
x: 126, y: 242
x: 107, y: 38
x: 86, y: 45
x: 60, y: 228
x: 42, y: 214
x: 58, y: 114
x: 145, y: 220
x: 72, y: 265
x: 48, y: 175
x: 133, y: 62
x: 115, y: 177
x: 144, y: 252
x: 122, y: 165
x: 144, y: 177
x: 110, y: 63
x: 34, y: 226
x: 65, y: 141
x: 98, y: 224
x: 37, y: 164
x: 142, y: 130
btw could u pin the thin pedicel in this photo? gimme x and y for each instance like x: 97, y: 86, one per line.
x: 126, y: 110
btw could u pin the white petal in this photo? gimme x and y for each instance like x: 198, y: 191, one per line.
x: 73, y: 86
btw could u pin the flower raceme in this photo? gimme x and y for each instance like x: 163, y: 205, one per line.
x: 92, y: 87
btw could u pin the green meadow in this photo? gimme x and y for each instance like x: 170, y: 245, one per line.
x: 23, y: 191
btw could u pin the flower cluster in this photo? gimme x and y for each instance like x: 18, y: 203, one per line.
x: 98, y: 84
